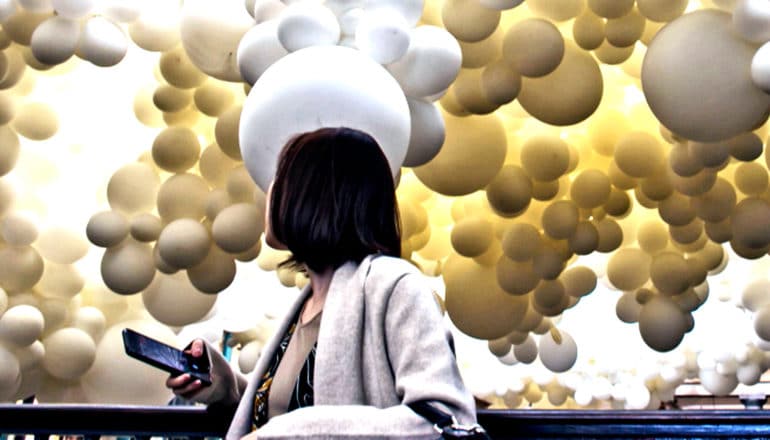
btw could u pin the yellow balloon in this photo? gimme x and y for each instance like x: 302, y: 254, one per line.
x: 133, y: 188
x: 534, y: 47
x: 472, y: 236
x: 545, y: 157
x: 516, y: 277
x: 638, y: 154
x: 590, y: 189
x: 182, y: 196
x: 629, y: 269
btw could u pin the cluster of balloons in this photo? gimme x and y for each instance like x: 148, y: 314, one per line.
x: 526, y: 137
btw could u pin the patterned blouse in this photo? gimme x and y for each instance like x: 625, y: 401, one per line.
x: 301, y: 396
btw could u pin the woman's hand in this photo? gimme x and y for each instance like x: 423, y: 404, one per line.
x: 185, y: 385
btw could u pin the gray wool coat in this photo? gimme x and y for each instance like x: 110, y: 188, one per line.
x: 381, y: 345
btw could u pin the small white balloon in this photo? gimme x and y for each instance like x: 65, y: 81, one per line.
x: 558, y: 350
x: 760, y: 68
x: 258, y: 50
x: 751, y: 18
x: 307, y: 23
x: 10, y: 374
x: 265, y: 10
x: 431, y: 62
x: 411, y: 10
x: 383, y: 35
x: 54, y: 41
x: 21, y: 325
x: 349, y: 21
x: 103, y: 42
x: 72, y: 9
x: 121, y: 11
x: 526, y: 352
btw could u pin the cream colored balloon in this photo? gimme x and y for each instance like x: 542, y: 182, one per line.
x: 179, y: 71
x: 215, y: 273
x: 117, y: 378
x: 534, y: 47
x: 481, y: 53
x: 560, y: 219
x: 500, y: 83
x: 545, y: 190
x: 69, y: 353
x: 618, y: 204
x: 469, y: 92
x: 629, y: 269
x: 585, y: 239
x: 237, y: 228
x: 548, y: 296
x: 156, y: 31
x: 626, y: 30
x: 21, y: 325
x: 590, y: 189
x: 20, y: 26
x: 128, y: 267
x: 610, y: 235
x: 611, y: 8
x: 176, y: 149
x: 745, y: 147
x: 548, y: 262
x: 690, y: 44
x: 662, y: 324
x: 472, y: 236
x: 145, y: 227
x: 526, y: 352
x: 215, y: 166
x: 720, y: 232
x: 469, y: 20
x: 516, y: 277
x: 588, y: 30
x: 248, y: 356
x: 182, y: 196
x: 652, y: 236
x: 510, y: 192
x: 661, y: 10
x: 21, y: 267
x: 107, y: 228
x: 638, y: 154
x: 91, y: 320
x: 605, y: 130
x: 133, y: 188
x: 676, y: 210
x: 18, y: 230
x: 61, y: 245
x: 578, y: 281
x: 10, y: 375
x: 613, y: 55
x: 569, y: 94
x: 749, y: 228
x: 168, y: 98
x: 167, y: 292
x: 475, y: 303
x: 686, y: 234
x: 486, y: 134
x: 240, y: 186
x: 717, y: 203
x: 226, y: 132
x: 36, y: 121
x: 683, y: 160
x: 557, y: 10
x: 657, y: 187
x: 521, y: 241
x: 210, y: 35
x: 212, y: 99
x: 545, y: 157
x: 711, y: 154
x: 670, y: 273
x: 184, y: 243
x: 751, y: 178
x: 558, y: 350
x: 62, y: 281
x: 102, y: 42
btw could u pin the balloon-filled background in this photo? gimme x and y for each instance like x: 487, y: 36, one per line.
x: 585, y: 179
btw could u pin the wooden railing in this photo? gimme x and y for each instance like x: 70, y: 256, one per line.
x: 92, y: 421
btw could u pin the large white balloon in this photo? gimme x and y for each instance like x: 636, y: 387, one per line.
x: 760, y: 68
x: 323, y: 86
x: 431, y: 62
x: 54, y: 41
x: 383, y: 35
x: 428, y: 132
x: 21, y: 325
x: 258, y: 50
x: 211, y: 32
x: 558, y: 350
x: 103, y: 42
x: 751, y: 18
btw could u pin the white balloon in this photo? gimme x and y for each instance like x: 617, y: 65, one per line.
x: 637, y: 396
x: 73, y: 9
x: 122, y: 11
x: 718, y: 384
x: 21, y: 325
x: 751, y: 18
x: 211, y: 33
x: 756, y: 294
x: 760, y: 68
x: 431, y: 62
x: 258, y: 50
x: 749, y: 374
x: 383, y: 35
x: 500, y: 5
x: 156, y: 31
x: 54, y: 41
x: 428, y: 132
x: 349, y: 21
x: 324, y: 86
x: 103, y: 42
x: 307, y: 23
x: 558, y: 356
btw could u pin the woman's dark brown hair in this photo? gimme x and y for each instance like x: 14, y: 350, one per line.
x: 333, y: 199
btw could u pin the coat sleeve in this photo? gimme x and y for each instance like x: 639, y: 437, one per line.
x: 424, y: 368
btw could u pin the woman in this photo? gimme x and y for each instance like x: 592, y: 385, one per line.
x: 365, y: 337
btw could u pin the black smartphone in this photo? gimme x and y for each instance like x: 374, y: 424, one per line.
x: 164, y: 356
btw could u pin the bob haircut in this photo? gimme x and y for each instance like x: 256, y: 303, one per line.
x: 333, y: 199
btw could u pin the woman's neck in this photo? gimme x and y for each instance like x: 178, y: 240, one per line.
x: 319, y: 288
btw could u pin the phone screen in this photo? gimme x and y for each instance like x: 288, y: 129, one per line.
x: 164, y: 356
